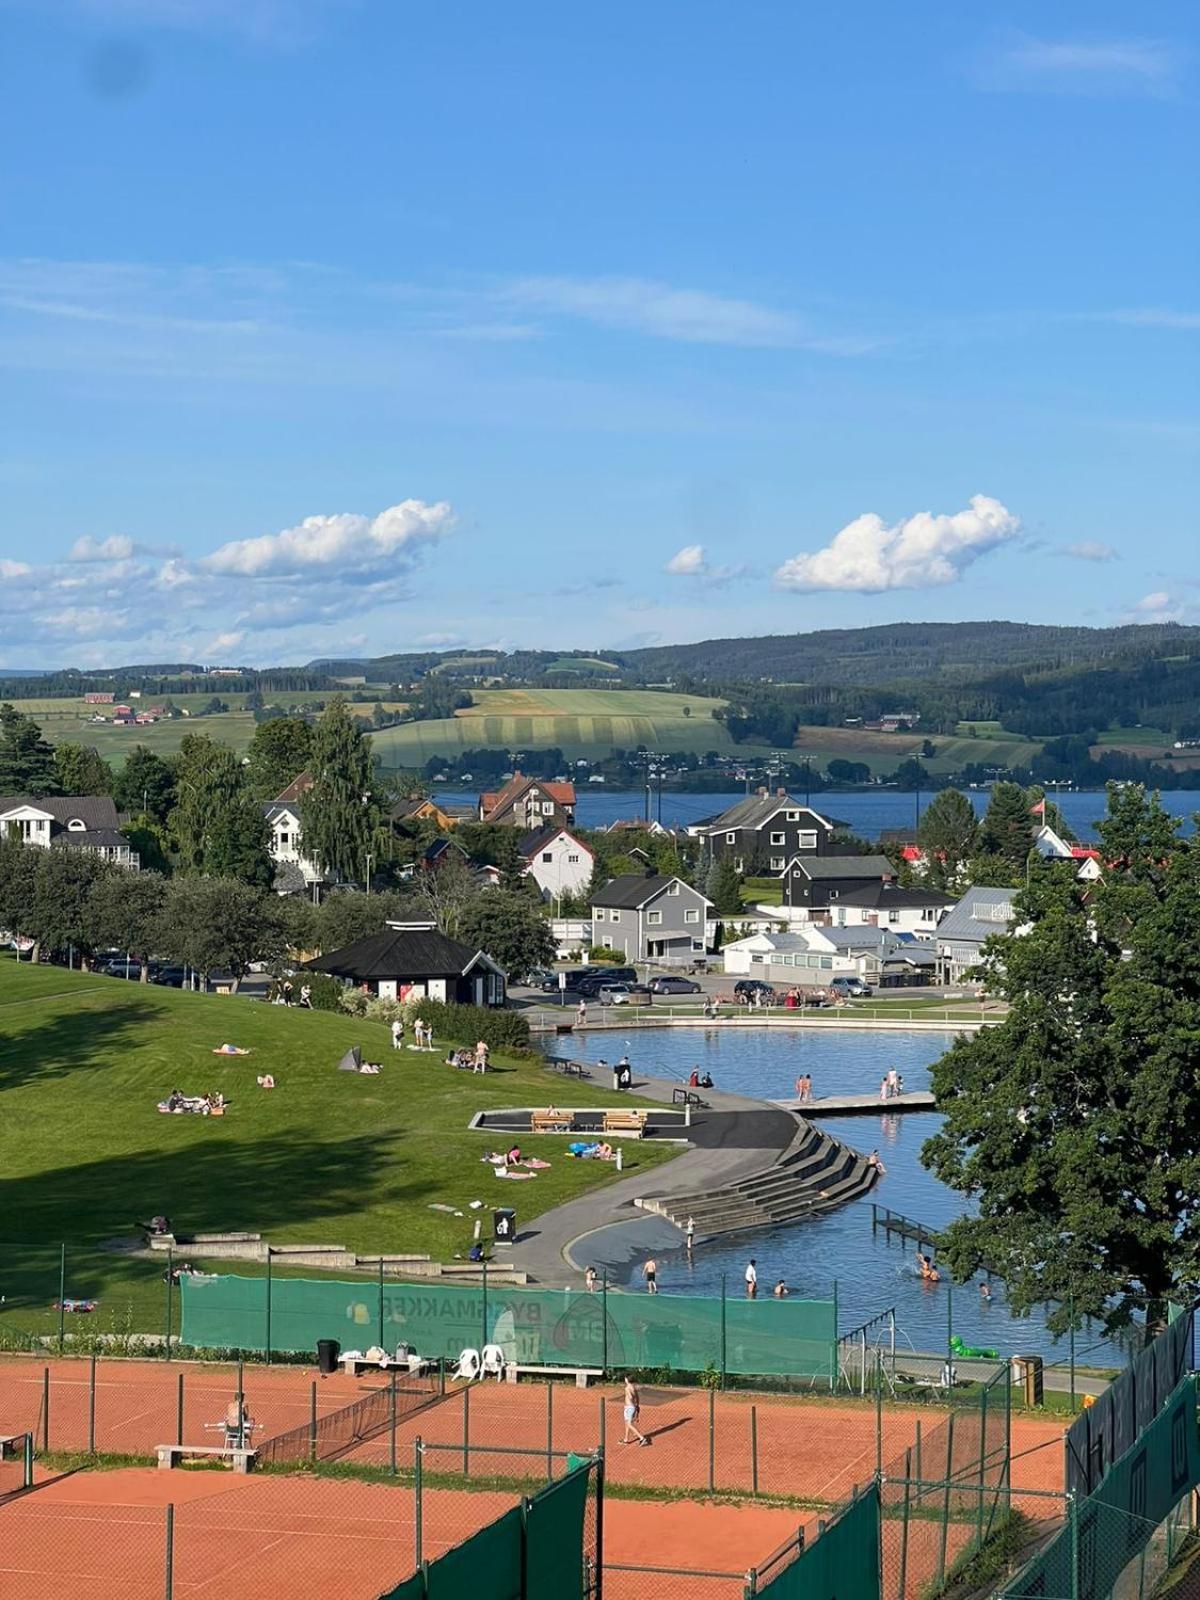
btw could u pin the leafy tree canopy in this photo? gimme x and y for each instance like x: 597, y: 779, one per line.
x: 81, y: 770
x: 509, y: 927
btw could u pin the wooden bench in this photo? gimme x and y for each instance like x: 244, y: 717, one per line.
x: 582, y: 1375
x: 242, y: 1456
x: 550, y: 1122
x: 625, y: 1122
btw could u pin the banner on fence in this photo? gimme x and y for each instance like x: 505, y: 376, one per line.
x: 841, y: 1563
x: 1103, y: 1432
x: 553, y: 1327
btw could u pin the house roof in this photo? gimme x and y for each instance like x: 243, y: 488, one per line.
x: 823, y: 867
x: 91, y: 839
x: 891, y: 896
x: 298, y: 786
x: 757, y: 809
x: 93, y: 810
x: 400, y: 953
x: 529, y: 844
x: 979, y: 912
x: 491, y: 801
x: 632, y: 890
x: 403, y: 810
x: 274, y: 809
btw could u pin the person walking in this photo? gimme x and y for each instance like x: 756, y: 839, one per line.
x: 751, y: 1280
x: 480, y: 1060
x: 650, y: 1273
x: 306, y: 996
x: 589, y: 1279
x: 397, y: 1034
x: 630, y: 1411
x: 286, y: 991
x: 690, y: 1234
x: 581, y: 1014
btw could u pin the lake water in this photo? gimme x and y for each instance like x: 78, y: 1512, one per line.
x: 867, y: 811
x: 871, y: 1275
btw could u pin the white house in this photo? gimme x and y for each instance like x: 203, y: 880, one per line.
x: 70, y: 822
x: 558, y: 862
x: 808, y: 956
x: 1054, y: 847
x: 294, y: 871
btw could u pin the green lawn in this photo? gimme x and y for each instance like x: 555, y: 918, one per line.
x: 327, y: 1156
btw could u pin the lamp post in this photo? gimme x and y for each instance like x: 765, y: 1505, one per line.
x: 370, y: 859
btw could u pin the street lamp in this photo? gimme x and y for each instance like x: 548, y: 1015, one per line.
x: 370, y: 859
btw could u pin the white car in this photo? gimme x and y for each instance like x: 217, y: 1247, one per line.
x: 613, y: 994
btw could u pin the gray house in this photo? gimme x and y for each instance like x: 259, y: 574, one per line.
x: 651, y: 918
x: 764, y: 831
x: 962, y: 931
x: 820, y: 882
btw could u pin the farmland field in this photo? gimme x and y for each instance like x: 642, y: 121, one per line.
x: 582, y: 722
x: 883, y: 752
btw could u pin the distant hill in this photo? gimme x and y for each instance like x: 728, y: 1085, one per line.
x: 908, y: 650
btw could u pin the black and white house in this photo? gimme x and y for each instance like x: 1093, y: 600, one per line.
x: 765, y: 831
x: 414, y: 961
x: 819, y: 883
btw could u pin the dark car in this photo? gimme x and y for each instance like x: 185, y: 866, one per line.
x: 670, y: 985
x: 600, y: 977
x: 748, y: 988
x: 170, y: 977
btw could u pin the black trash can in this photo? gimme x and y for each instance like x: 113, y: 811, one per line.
x: 328, y: 1351
x: 504, y: 1224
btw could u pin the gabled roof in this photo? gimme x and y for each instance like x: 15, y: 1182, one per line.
x: 891, y: 896
x: 492, y: 801
x: 979, y: 913
x: 827, y: 867
x: 634, y: 889
x: 93, y: 810
x: 415, y: 806
x: 757, y: 809
x: 530, y: 844
x: 298, y: 786
x: 400, y: 953
x: 274, y: 809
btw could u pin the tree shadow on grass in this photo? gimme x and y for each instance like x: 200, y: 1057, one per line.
x: 34, y: 1049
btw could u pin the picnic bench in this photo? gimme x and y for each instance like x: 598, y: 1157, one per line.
x: 550, y: 1121
x: 582, y: 1375
x: 241, y: 1455
x: 633, y: 1122
x: 687, y: 1097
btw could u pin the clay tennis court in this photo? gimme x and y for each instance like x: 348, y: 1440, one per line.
x: 104, y: 1534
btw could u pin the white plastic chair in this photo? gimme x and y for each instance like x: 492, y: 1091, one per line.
x: 493, y: 1361
x: 468, y: 1366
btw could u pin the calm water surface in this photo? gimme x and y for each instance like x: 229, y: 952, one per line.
x: 871, y: 1276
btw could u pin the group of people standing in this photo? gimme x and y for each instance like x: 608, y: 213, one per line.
x: 891, y: 1085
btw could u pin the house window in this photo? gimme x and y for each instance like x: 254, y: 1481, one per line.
x: 571, y: 860
x: 833, y: 894
x: 547, y: 808
x: 598, y: 913
x: 893, y: 916
x: 731, y: 838
x: 739, y: 865
x: 77, y: 825
x: 654, y: 917
x: 792, y: 816
x: 608, y: 944
x: 691, y: 916
x: 614, y: 916
x: 547, y: 856
x: 672, y: 888
x: 283, y: 841
x: 778, y: 863
x: 779, y: 838
x: 808, y: 839
x: 697, y: 946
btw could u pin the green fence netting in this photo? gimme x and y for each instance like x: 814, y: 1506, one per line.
x: 411, y: 1589
x: 842, y: 1563
x: 554, y: 1540
x: 1108, y: 1532
x: 487, y: 1566
x: 553, y: 1327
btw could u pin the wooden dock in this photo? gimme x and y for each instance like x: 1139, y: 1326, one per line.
x: 860, y: 1105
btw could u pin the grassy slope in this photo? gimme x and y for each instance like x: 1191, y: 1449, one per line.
x: 584, y: 722
x: 328, y: 1156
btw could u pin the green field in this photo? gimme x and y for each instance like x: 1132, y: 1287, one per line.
x: 326, y: 1156
x: 585, y: 723
x: 883, y: 752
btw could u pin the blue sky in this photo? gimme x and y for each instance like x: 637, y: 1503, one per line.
x: 348, y: 326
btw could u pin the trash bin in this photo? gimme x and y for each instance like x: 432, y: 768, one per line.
x: 1027, y: 1371
x: 504, y: 1224
x: 328, y: 1351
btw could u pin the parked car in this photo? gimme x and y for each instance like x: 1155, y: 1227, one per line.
x: 590, y: 985
x: 576, y: 976
x: 852, y: 988
x: 623, y: 994
x: 748, y: 988
x: 120, y: 967
x: 170, y: 977
x: 667, y: 984
x: 541, y: 978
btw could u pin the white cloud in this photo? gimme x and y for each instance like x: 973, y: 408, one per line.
x: 347, y: 542
x: 1089, y: 550
x: 440, y: 640
x: 688, y: 316
x: 117, y: 547
x: 688, y: 562
x: 1083, y: 65
x: 1161, y: 606
x: 921, y: 552
x: 225, y: 641
x: 14, y: 569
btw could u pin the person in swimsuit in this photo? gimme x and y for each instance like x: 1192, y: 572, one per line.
x: 650, y: 1273
x: 632, y: 1407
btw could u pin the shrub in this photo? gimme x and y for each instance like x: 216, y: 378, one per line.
x: 601, y: 952
x: 500, y: 1030
x: 327, y: 991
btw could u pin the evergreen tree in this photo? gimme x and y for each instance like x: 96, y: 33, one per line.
x: 723, y: 887
x: 339, y: 815
x: 145, y: 785
x: 217, y: 826
x: 946, y: 834
x: 82, y: 770
x: 278, y: 754
x: 1074, y: 1123
x: 1008, y: 825
x: 26, y: 760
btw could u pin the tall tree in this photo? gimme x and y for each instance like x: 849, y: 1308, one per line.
x: 145, y: 785
x: 26, y: 760
x: 511, y: 929
x: 123, y: 911
x: 217, y: 826
x: 947, y: 833
x: 1074, y: 1123
x: 278, y: 754
x: 723, y: 887
x: 219, y: 924
x: 1008, y: 824
x: 58, y: 916
x: 80, y: 769
x: 18, y: 886
x: 339, y: 815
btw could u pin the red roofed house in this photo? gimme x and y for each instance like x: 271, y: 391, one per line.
x: 529, y: 803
